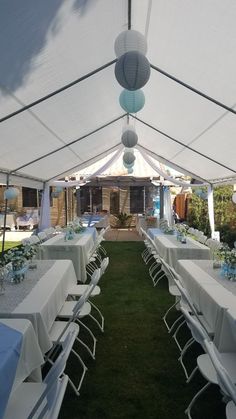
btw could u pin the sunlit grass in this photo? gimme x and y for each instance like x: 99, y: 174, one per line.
x: 9, y: 245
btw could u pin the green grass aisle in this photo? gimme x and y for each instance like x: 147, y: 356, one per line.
x: 136, y: 373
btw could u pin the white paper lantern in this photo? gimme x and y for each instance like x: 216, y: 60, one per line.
x: 234, y: 197
x: 132, y: 70
x: 11, y: 193
x: 128, y: 157
x: 130, y: 40
x: 129, y: 138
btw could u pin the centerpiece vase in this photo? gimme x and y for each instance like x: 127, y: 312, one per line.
x: 18, y: 270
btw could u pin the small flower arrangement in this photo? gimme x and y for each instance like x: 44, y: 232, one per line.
x: 77, y: 226
x: 182, y: 228
x: 69, y: 233
x: 17, y: 257
x: 169, y: 230
x: 228, y: 261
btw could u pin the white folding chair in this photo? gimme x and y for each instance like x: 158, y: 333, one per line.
x: 42, y: 400
x: 225, y: 378
x: 78, y: 290
x: 81, y: 308
x: 217, y: 368
x: 34, y: 239
x: 42, y: 236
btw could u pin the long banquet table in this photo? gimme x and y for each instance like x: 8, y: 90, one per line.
x: 172, y: 250
x: 20, y: 357
x: 78, y: 250
x: 213, y: 295
x: 39, y: 297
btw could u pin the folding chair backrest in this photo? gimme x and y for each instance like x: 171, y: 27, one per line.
x: 185, y: 296
x: 25, y: 241
x: 42, y: 236
x: 198, y: 332
x: 104, y: 265
x: 34, y: 240
x: 225, y: 381
x: 51, y: 380
x: 85, y: 296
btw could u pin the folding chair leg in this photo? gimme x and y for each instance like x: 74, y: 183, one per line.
x: 192, y: 374
x: 155, y: 281
x: 83, y: 373
x: 188, y: 410
x: 175, y: 323
x: 100, y: 324
x: 167, y: 312
x: 91, y: 352
x: 175, y: 335
x: 180, y: 359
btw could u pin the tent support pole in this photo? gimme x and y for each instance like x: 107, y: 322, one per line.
x: 161, y: 201
x: 5, y: 218
x: 90, y: 200
x: 144, y: 199
x: 210, y: 201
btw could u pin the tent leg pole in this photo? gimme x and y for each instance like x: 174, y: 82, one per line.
x: 5, y: 218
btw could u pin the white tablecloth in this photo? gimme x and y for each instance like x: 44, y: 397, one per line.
x: 172, y: 250
x: 30, y: 359
x: 209, y: 295
x: 44, y: 301
x: 77, y: 250
x: 10, y: 221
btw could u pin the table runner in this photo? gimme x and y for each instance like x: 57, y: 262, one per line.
x: 15, y: 293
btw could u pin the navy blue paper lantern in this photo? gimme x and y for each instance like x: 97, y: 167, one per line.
x: 128, y: 166
x: 11, y: 193
x: 128, y: 157
x: 132, y: 101
x: 132, y: 70
x: 129, y: 138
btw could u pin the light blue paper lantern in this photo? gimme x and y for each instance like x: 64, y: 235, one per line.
x: 132, y: 70
x: 132, y: 101
x: 129, y: 138
x: 11, y: 193
x: 130, y: 40
x: 128, y: 157
x: 58, y: 189
x: 130, y: 170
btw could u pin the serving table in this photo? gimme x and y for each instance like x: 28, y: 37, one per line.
x: 78, y: 250
x: 39, y: 297
x: 20, y: 357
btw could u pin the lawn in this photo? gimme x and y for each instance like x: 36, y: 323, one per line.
x: 136, y: 373
x: 8, y: 245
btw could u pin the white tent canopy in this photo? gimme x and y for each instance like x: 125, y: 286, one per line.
x: 59, y: 101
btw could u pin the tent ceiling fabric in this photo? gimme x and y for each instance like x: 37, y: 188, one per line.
x: 49, y: 44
